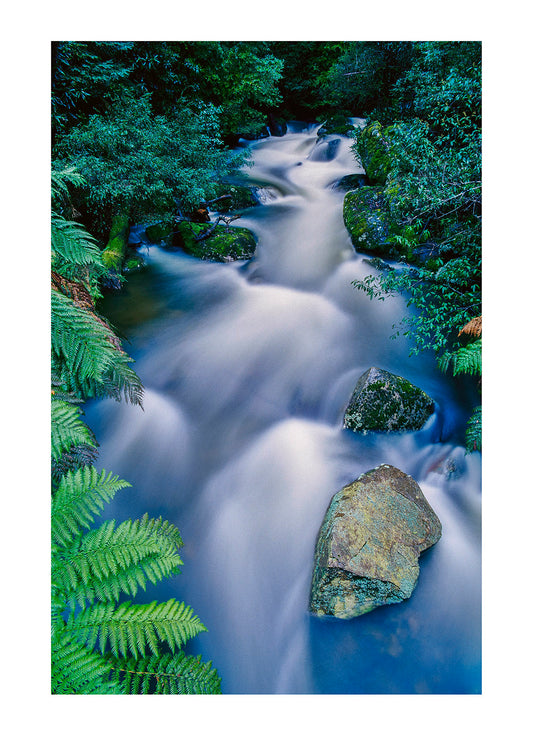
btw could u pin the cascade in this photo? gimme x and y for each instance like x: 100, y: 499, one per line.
x: 248, y: 368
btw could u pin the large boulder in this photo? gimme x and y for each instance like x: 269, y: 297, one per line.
x: 368, y: 220
x: 373, y: 147
x: 386, y: 402
x: 369, y: 543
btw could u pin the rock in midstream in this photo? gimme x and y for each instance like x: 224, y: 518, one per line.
x: 386, y: 402
x: 369, y: 543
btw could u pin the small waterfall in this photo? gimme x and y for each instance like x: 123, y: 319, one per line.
x: 248, y: 369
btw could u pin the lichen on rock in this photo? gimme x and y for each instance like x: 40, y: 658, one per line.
x: 386, y: 402
x: 373, y: 147
x: 369, y: 543
x: 223, y: 245
x: 368, y: 221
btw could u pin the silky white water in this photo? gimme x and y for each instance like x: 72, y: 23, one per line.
x: 248, y: 368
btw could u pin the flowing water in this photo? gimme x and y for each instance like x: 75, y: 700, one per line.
x: 248, y: 368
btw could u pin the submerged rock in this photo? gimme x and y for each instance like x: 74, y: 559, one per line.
x: 350, y: 182
x: 238, y: 196
x: 369, y: 543
x: 385, y: 402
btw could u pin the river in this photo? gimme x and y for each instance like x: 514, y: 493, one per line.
x: 248, y: 368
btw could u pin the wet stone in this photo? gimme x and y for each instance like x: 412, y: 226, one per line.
x: 386, y: 402
x: 369, y: 543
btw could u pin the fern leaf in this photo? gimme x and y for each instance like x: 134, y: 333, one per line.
x: 68, y: 430
x: 473, y: 431
x: 77, y: 457
x: 107, y: 561
x: 166, y: 674
x: 85, y: 356
x: 78, y: 670
x: 74, y: 246
x: 80, y: 496
x: 466, y: 360
x: 472, y: 328
x: 60, y: 180
x: 134, y: 629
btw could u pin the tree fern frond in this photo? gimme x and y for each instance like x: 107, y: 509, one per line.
x: 108, y: 560
x: 473, y: 431
x: 85, y: 356
x: 135, y: 629
x: 78, y: 670
x: 166, y: 674
x: 466, y: 360
x: 80, y: 496
x: 77, y: 457
x: 74, y: 246
x: 60, y: 394
x: 60, y: 180
x: 68, y: 430
x: 472, y: 328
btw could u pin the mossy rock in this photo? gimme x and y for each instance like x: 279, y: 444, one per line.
x: 134, y: 263
x: 368, y: 221
x: 386, y: 402
x: 351, y: 182
x: 335, y: 124
x: 373, y: 147
x: 223, y: 245
x: 241, y: 197
x: 159, y: 232
x: 115, y: 252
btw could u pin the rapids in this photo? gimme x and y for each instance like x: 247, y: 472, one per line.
x: 248, y: 368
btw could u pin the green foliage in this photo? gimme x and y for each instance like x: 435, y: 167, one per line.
x: 77, y: 670
x: 85, y: 75
x: 68, y: 430
x: 145, y: 122
x: 360, y: 78
x: 474, y: 431
x: 166, y: 674
x: 92, y: 568
x: 85, y: 357
x: 75, y: 253
x: 143, y: 165
x: 411, y: 236
x: 244, y: 84
x: 442, y: 300
x: 465, y: 360
x: 97, y: 638
x: 240, y: 78
x: 134, y: 629
x: 81, y: 494
x: 429, y: 154
x: 305, y: 72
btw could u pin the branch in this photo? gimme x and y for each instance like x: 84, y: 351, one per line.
x: 218, y: 199
x: 206, y: 233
